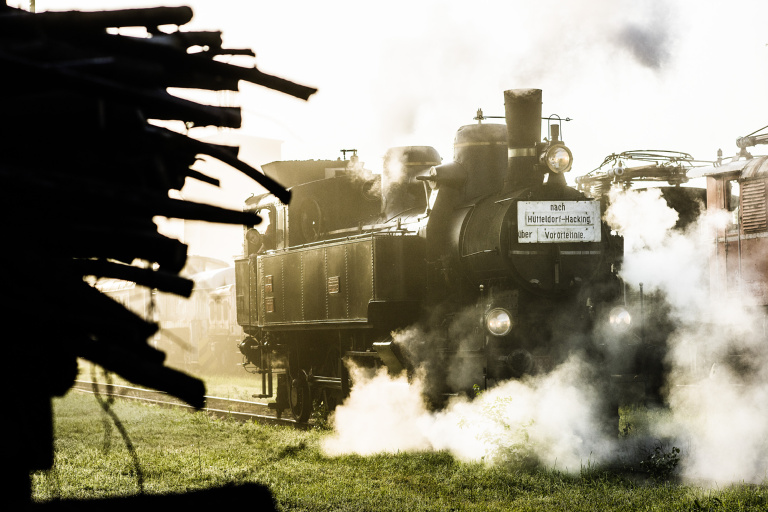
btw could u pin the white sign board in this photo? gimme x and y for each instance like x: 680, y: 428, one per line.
x: 557, y: 222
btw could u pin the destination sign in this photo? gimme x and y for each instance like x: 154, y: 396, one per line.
x: 558, y: 221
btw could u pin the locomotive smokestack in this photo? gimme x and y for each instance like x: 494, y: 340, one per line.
x: 523, y: 113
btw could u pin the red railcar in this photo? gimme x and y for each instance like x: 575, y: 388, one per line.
x: 738, y: 266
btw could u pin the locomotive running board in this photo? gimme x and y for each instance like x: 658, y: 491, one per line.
x: 389, y: 354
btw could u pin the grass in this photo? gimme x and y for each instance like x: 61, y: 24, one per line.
x: 181, y: 451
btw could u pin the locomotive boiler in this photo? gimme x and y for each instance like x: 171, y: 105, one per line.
x: 494, y: 265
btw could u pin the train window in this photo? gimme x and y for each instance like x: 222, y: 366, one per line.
x: 310, y: 221
x: 261, y: 236
x: 754, y: 217
x: 732, y: 195
x: 266, y: 220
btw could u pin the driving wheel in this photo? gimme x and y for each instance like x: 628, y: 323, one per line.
x: 300, y: 397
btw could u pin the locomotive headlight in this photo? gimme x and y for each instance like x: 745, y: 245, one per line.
x: 498, y: 321
x: 620, y: 319
x: 558, y: 158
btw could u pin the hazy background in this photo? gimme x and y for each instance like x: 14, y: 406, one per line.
x: 678, y: 75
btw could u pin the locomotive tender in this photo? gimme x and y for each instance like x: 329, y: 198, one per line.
x: 502, y: 267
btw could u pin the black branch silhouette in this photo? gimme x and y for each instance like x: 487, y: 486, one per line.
x: 83, y: 173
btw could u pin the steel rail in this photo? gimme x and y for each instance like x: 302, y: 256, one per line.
x: 238, y: 410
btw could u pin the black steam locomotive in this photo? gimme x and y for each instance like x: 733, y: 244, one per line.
x: 500, y: 266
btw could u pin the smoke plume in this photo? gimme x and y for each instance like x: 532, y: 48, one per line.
x: 647, y: 44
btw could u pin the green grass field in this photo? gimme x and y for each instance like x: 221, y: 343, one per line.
x: 180, y: 451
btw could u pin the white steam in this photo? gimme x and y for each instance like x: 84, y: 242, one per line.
x: 662, y: 259
x: 717, y: 355
x: 549, y: 419
x: 380, y: 415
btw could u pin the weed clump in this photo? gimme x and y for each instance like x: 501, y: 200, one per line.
x: 320, y: 417
x: 661, y: 464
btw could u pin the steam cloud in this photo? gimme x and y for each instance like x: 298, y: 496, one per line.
x: 717, y: 384
x: 647, y: 45
x: 718, y: 404
x: 549, y: 419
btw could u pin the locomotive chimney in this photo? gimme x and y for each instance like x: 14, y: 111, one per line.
x: 523, y: 113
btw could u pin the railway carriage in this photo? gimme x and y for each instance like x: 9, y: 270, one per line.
x: 199, y: 333
x: 738, y: 269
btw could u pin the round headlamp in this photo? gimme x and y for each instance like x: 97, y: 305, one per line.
x: 498, y: 321
x: 620, y: 319
x: 558, y: 158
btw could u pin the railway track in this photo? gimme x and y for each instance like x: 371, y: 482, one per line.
x: 239, y: 410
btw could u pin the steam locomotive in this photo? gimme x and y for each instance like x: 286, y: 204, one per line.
x: 480, y: 270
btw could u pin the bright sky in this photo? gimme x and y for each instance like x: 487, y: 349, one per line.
x: 683, y: 75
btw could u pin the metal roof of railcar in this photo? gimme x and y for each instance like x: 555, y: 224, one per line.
x: 211, y: 279
x: 756, y: 167
x: 222, y: 291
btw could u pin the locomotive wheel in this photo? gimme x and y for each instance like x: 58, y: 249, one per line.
x: 300, y: 398
x: 332, y: 399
